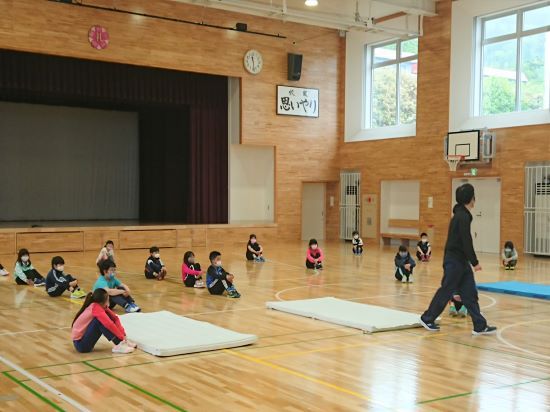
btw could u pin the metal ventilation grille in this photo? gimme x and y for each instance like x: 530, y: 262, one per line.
x: 537, y: 209
x: 350, y: 205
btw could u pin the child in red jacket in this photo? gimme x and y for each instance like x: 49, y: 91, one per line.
x: 191, y: 272
x: 314, y: 256
x: 95, y: 319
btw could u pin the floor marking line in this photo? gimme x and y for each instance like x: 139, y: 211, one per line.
x: 458, y: 395
x: 44, y: 385
x: 33, y: 331
x: 278, y: 294
x: 511, y: 345
x: 356, y: 345
x: 136, y: 387
x: 493, y: 301
x: 300, y: 375
x: 31, y: 390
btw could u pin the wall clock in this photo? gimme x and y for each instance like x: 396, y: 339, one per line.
x: 253, y: 61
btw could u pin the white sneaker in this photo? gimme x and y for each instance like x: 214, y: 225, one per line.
x: 4, y: 272
x: 199, y: 284
x: 131, y: 344
x: 411, y: 279
x: 404, y: 279
x: 122, y: 347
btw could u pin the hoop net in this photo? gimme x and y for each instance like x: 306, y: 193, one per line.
x: 454, y: 161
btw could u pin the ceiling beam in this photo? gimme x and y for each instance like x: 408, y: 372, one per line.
x: 338, y: 22
x: 419, y: 7
x: 389, y: 17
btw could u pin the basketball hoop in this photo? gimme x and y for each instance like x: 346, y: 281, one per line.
x: 454, y: 161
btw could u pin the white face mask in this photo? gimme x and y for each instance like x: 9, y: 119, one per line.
x: 313, y: 247
x: 403, y: 254
x: 25, y: 258
x: 508, y: 250
x: 424, y: 240
x: 219, y: 263
x: 60, y: 268
x: 356, y: 237
x: 156, y: 255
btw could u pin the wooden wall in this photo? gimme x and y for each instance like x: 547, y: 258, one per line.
x: 78, y: 239
x: 421, y: 158
x: 305, y: 148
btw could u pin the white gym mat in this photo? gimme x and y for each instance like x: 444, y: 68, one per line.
x: 367, y: 318
x: 167, y: 334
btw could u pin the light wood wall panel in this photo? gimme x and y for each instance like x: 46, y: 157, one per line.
x: 240, y: 235
x: 7, y: 243
x: 144, y: 239
x: 51, y: 242
x: 198, y: 237
x: 95, y: 239
x: 184, y: 237
x: 306, y: 148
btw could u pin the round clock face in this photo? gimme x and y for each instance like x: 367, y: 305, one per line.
x: 253, y: 61
x: 98, y: 37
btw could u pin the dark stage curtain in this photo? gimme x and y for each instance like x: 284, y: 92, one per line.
x: 182, y: 114
x: 163, y: 175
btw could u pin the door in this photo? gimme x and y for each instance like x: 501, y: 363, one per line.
x: 313, y: 211
x: 486, y: 213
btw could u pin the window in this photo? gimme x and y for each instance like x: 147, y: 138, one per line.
x: 392, y: 83
x: 514, y: 61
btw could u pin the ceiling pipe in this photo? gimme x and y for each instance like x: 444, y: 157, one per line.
x: 311, y: 18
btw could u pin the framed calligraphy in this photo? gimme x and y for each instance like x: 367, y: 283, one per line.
x: 297, y: 101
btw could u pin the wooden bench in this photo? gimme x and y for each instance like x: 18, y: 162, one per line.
x: 401, y: 224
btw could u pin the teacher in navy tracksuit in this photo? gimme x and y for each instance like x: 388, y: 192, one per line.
x: 458, y: 276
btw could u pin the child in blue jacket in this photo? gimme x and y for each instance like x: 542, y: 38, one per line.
x: 404, y: 265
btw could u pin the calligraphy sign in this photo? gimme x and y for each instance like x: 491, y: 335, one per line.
x: 297, y: 101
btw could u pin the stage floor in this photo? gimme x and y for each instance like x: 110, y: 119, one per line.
x: 298, y: 364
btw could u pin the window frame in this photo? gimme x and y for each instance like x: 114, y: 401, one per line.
x: 369, y: 75
x: 481, y: 42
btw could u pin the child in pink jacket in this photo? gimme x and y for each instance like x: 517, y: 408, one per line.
x: 314, y: 256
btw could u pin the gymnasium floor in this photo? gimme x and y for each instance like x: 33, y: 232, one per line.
x: 298, y: 364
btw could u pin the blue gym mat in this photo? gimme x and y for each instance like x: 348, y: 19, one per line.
x: 532, y: 290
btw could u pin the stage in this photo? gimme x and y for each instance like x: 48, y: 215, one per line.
x: 80, y: 236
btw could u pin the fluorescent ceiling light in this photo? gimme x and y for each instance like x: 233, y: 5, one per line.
x: 311, y: 3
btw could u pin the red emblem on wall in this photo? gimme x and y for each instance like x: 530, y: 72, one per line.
x: 98, y: 37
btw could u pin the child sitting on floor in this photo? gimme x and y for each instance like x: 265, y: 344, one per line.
x: 314, y: 256
x: 456, y: 307
x: 119, y: 293
x: 3, y: 271
x: 191, y: 272
x: 254, y: 250
x: 357, y: 243
x: 404, y: 265
x: 95, y: 319
x: 58, y: 282
x: 25, y: 273
x: 154, y: 268
x: 107, y: 252
x: 423, y: 248
x: 217, y: 279
x: 509, y: 256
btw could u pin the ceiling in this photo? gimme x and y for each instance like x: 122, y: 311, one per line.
x: 337, y: 14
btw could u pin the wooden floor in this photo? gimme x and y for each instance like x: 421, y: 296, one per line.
x: 298, y: 364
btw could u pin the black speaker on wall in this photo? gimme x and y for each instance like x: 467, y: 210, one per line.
x: 294, y: 66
